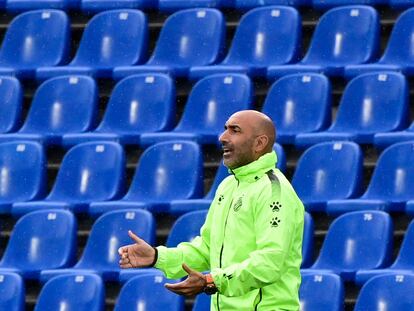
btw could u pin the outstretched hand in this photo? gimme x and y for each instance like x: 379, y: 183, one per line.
x: 192, y: 285
x: 137, y: 255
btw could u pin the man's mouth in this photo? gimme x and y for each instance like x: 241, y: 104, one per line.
x: 226, y: 151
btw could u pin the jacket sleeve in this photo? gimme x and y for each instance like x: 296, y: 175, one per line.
x: 196, y: 254
x: 275, y: 223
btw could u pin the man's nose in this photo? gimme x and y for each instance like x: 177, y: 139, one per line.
x: 222, y: 137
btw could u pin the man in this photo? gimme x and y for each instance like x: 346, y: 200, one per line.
x: 252, y: 238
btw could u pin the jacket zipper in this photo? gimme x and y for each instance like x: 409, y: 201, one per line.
x: 260, y: 299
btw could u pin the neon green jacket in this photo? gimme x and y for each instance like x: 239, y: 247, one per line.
x: 251, y: 241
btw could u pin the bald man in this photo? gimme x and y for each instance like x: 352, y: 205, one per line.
x: 251, y: 240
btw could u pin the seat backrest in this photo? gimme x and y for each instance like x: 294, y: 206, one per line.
x: 55, y: 109
x: 213, y: 100
x: 328, y: 171
x: 168, y: 171
x: 345, y: 35
x: 11, y: 97
x: 299, y: 103
x: 12, y: 291
x: 36, y: 38
x: 321, y: 292
x: 74, y: 292
x: 202, y: 303
x: 22, y: 170
x: 190, y: 37
x: 152, y: 295
x: 393, y: 177
x: 222, y: 172
x: 141, y: 103
x: 90, y: 172
x: 42, y: 240
x: 405, y: 256
x: 110, y: 232
x: 186, y: 228
x: 386, y: 292
x: 281, y: 157
x: 352, y: 234
x: 373, y: 102
x: 308, y: 240
x: 400, y: 48
x: 113, y: 38
x: 266, y: 36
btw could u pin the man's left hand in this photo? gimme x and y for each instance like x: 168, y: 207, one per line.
x: 193, y: 285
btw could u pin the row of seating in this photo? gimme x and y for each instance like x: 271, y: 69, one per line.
x: 266, y: 43
x: 374, y: 109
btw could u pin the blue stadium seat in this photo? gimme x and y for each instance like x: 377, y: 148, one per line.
x: 400, y: 4
x: 23, y: 173
x: 193, y: 37
x: 328, y: 171
x: 327, y: 4
x: 55, y: 111
x: 403, y: 264
x: 11, y: 96
x: 383, y: 140
x: 399, y: 52
x: 110, y: 39
x: 356, y: 241
x: 186, y: 228
x: 89, y: 172
x: 343, y: 36
x: 27, y: 5
x: 92, y: 6
x: 387, y: 292
x: 179, y: 207
x: 12, y: 291
x: 370, y: 103
x: 174, y: 5
x: 390, y: 186
x: 210, y: 103
x: 250, y: 4
x: 138, y: 104
x: 308, y: 241
x: 83, y: 292
x: 165, y: 172
x: 41, y: 240
x: 108, y: 233
x: 265, y: 36
x: 152, y: 295
x: 34, y: 39
x: 202, y: 303
x: 299, y: 103
x: 321, y: 292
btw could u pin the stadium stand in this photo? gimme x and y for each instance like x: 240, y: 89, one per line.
x: 11, y: 94
x: 12, y: 291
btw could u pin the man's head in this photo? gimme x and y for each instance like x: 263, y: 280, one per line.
x: 248, y: 134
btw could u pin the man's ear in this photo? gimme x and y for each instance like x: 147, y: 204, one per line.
x: 261, y: 143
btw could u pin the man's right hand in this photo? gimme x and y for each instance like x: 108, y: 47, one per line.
x: 138, y: 255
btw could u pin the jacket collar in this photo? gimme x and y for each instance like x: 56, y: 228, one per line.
x: 256, y: 169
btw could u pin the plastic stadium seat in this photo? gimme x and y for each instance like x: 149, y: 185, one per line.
x: 382, y: 140
x: 193, y: 37
x: 173, y: 5
x: 22, y: 173
x: 369, y: 233
x: 327, y: 4
x: 265, y: 36
x: 27, y: 5
x: 403, y: 264
x: 299, y: 103
x: 328, y: 171
x: 186, y: 228
x: 110, y: 39
x: 343, y: 36
x: 250, y: 4
x: 400, y: 4
x: 74, y: 292
x: 390, y: 186
x: 91, y: 6
x: 138, y: 104
x: 12, y: 292
x: 179, y: 207
x: 41, y: 240
x: 11, y: 96
x: 89, y: 172
x: 147, y: 292
x: 386, y: 292
x: 210, y: 103
x: 202, y: 303
x: 108, y: 233
x: 321, y: 292
x: 34, y: 39
x: 308, y: 241
x: 399, y: 52
x: 371, y: 103
x: 165, y: 172
x: 55, y: 111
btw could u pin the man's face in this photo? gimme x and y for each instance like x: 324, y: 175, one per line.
x: 238, y: 142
